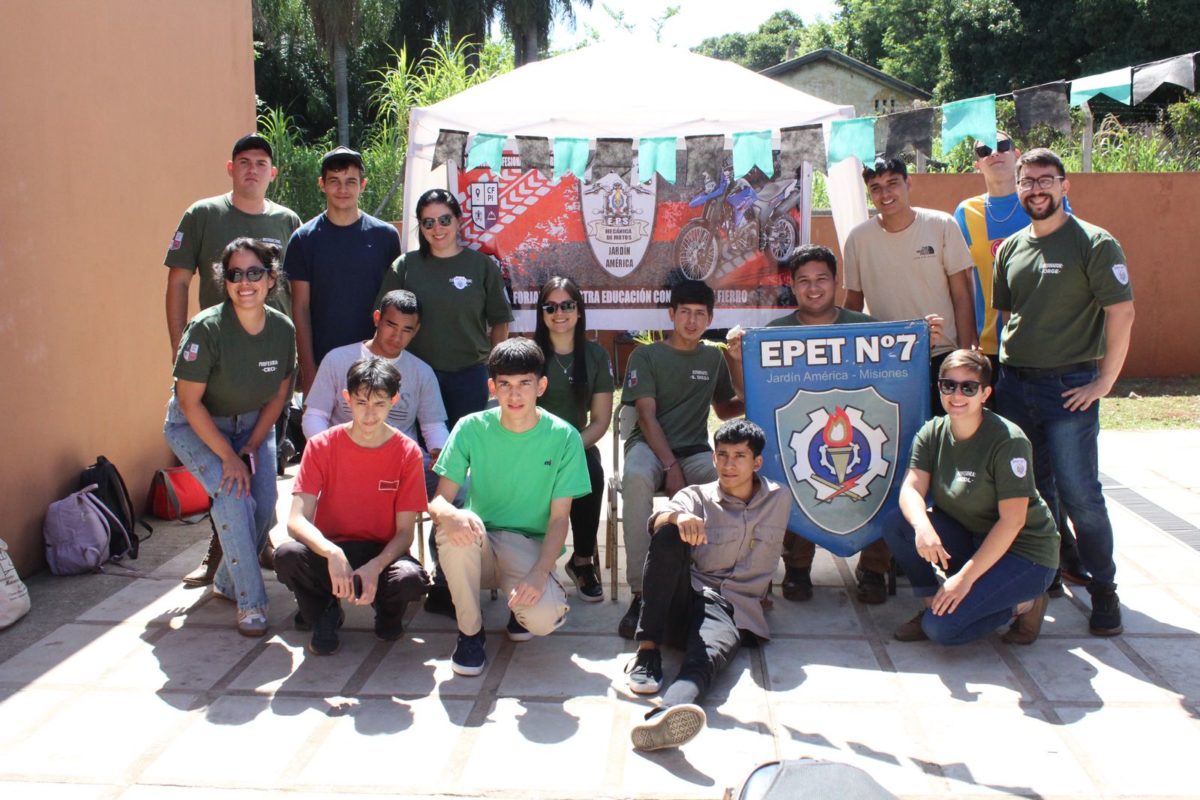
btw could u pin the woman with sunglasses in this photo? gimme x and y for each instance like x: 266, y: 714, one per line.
x: 462, y: 296
x: 989, y: 531
x: 233, y: 375
x: 579, y: 389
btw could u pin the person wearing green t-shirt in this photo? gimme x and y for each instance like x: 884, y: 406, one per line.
x: 526, y: 466
x: 671, y: 385
x: 233, y: 375
x: 1065, y: 287
x: 988, y: 530
x: 579, y: 389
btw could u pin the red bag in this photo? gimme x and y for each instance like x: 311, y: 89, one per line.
x: 176, y: 494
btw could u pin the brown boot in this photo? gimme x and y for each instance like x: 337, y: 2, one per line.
x: 203, y: 574
x: 1027, y: 626
x: 912, y: 631
x: 266, y: 556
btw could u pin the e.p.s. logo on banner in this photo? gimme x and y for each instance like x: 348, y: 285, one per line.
x: 840, y: 405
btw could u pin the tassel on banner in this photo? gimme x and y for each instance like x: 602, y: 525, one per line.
x: 852, y: 138
x: 613, y: 155
x: 704, y: 157
x: 800, y: 144
x: 535, y: 154
x: 570, y: 156
x: 487, y: 150
x: 973, y: 118
x: 656, y: 154
x: 752, y: 149
x: 449, y: 148
x: 1043, y: 105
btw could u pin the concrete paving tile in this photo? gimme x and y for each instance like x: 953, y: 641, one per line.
x: 595, y: 618
x: 145, y: 601
x: 738, y: 684
x: 1175, y: 661
x: 419, y: 665
x: 1170, y: 564
x: 566, y: 666
x: 186, y: 560
x: 189, y: 659
x: 877, y: 738
x: 241, y: 742
x: 972, y: 673
x: 72, y: 655
x: 511, y: 753
x: 1087, y: 671
x: 22, y: 712
x: 1153, y: 609
x: 829, y: 612
x: 45, y: 790
x: 366, y: 729
x: 149, y: 792
x: 826, y: 670
x: 67, y: 747
x: 1138, y: 752
x: 287, y: 666
x: 1035, y: 760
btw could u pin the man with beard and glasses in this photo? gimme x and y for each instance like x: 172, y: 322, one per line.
x: 1065, y: 288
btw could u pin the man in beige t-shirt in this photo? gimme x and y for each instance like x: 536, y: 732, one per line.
x: 909, y: 262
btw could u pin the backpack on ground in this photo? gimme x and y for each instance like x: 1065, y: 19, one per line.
x: 78, y: 532
x: 14, y: 596
x: 109, y: 489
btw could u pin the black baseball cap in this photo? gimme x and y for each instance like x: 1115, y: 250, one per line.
x: 252, y: 141
x: 341, y: 157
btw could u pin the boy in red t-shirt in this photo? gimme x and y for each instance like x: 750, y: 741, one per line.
x: 355, y: 501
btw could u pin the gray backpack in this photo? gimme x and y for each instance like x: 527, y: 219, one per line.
x: 78, y: 530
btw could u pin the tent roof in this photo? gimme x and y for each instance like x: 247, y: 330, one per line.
x: 628, y: 89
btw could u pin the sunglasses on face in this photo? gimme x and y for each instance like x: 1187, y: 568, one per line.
x: 1002, y: 146
x: 565, y: 306
x: 445, y: 220
x: 253, y: 274
x: 969, y: 388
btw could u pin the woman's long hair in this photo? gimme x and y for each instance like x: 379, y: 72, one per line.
x: 541, y: 335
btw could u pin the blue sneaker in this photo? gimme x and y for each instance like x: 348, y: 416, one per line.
x: 516, y: 631
x: 469, y: 657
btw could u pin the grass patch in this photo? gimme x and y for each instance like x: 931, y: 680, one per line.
x: 1142, y: 404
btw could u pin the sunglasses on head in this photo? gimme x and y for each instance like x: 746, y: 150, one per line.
x: 253, y: 274
x: 1002, y: 146
x: 445, y: 220
x: 565, y: 306
x: 969, y: 388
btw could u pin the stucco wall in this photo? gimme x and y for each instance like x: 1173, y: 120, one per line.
x: 1150, y: 214
x: 838, y: 84
x: 116, y: 116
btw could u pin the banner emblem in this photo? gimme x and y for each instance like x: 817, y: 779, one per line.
x: 839, y: 454
x: 485, y: 203
x: 619, y: 220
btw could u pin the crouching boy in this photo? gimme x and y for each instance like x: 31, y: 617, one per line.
x: 356, y: 498
x: 526, y: 466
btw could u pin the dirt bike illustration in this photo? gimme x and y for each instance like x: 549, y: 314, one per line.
x: 737, y: 220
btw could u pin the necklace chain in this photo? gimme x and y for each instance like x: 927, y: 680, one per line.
x: 563, y: 367
x: 987, y: 207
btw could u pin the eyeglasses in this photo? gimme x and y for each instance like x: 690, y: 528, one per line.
x: 969, y: 388
x: 1044, y: 182
x: 566, y: 306
x: 445, y: 220
x: 1002, y: 146
x: 253, y: 274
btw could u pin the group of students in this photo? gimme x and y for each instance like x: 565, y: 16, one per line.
x: 504, y: 485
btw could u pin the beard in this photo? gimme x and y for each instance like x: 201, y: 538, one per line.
x: 1050, y: 210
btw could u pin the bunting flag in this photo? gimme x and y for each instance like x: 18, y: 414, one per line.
x: 800, y: 144
x: 656, y: 154
x: 613, y: 155
x: 852, y: 138
x: 535, y: 154
x: 752, y: 149
x: 449, y: 148
x: 1115, y: 84
x: 1044, y: 105
x: 487, y: 150
x: 973, y: 118
x: 704, y: 154
x: 907, y: 130
x: 570, y: 155
x: 1180, y: 70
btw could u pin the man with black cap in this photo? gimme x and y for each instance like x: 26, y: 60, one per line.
x: 207, y: 226
x: 335, y: 263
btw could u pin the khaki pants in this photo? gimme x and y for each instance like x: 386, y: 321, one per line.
x: 500, y: 560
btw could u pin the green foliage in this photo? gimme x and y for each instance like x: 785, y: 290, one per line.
x: 769, y: 45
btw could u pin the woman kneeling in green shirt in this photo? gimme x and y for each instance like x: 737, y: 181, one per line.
x: 988, y: 530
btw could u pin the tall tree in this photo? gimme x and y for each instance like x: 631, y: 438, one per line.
x: 528, y: 23
x: 336, y: 22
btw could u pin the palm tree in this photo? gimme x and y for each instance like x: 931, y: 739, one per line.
x: 336, y: 23
x: 528, y: 23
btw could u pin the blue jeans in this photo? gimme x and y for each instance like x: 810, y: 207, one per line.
x: 463, y: 392
x: 1010, y: 581
x: 241, y: 523
x: 1066, y: 463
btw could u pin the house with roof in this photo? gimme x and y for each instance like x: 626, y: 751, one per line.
x: 834, y: 76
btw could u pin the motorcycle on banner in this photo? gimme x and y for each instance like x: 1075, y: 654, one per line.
x: 737, y: 221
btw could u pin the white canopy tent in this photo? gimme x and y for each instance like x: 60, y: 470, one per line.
x: 627, y: 89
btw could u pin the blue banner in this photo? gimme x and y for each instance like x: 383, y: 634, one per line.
x: 840, y: 405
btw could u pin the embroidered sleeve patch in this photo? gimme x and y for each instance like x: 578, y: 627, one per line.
x: 1121, y: 273
x: 191, y: 352
x: 177, y: 240
x: 1019, y: 467
x: 389, y: 486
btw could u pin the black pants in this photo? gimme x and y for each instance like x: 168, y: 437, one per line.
x: 674, y: 613
x: 307, y: 575
x: 585, y: 511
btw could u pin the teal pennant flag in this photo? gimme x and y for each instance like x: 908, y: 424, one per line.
x: 974, y: 118
x: 752, y: 149
x: 487, y: 151
x: 570, y: 155
x: 852, y: 138
x: 1117, y: 84
x: 656, y: 154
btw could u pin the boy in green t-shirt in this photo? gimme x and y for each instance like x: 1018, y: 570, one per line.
x: 526, y: 467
